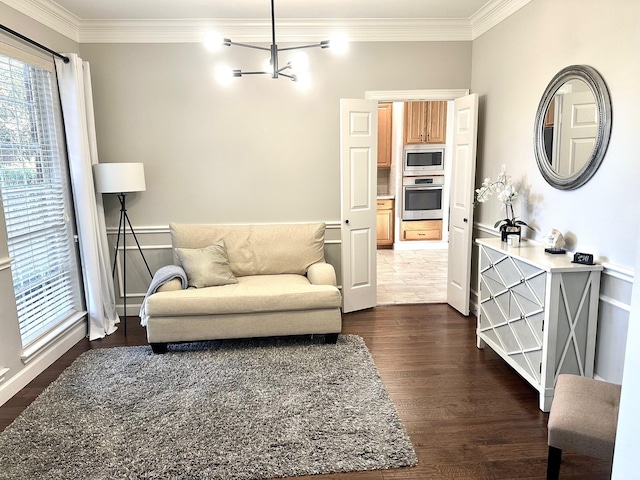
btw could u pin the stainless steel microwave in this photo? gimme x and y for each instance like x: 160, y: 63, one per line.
x: 423, y: 159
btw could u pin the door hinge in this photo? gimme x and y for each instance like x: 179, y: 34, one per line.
x: 541, y: 367
x: 76, y: 238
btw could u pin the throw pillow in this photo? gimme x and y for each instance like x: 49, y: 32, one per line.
x: 206, y: 267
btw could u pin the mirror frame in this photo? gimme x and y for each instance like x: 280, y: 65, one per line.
x: 603, y: 102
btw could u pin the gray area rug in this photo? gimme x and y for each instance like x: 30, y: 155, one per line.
x: 246, y: 409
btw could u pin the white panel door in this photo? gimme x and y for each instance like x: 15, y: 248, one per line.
x: 358, y: 163
x: 578, y: 132
x: 465, y: 132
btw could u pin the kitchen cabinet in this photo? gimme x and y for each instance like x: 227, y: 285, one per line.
x: 385, y: 223
x: 385, y: 115
x: 425, y: 122
x: 538, y: 311
x: 549, y: 118
x: 421, y: 230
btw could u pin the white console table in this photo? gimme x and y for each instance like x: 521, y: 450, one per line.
x: 538, y: 311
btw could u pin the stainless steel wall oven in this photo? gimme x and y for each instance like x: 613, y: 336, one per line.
x: 422, y: 197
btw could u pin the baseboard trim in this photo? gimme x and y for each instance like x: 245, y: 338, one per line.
x: 39, y: 364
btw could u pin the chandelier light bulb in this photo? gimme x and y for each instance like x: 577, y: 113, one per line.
x: 303, y: 81
x: 339, y: 43
x: 223, y: 74
x: 212, y: 41
x: 266, y: 66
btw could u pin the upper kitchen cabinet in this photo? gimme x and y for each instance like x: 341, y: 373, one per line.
x: 385, y: 113
x: 425, y: 122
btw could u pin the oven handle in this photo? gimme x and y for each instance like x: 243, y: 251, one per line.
x: 423, y: 187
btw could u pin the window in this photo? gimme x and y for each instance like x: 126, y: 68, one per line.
x: 36, y: 200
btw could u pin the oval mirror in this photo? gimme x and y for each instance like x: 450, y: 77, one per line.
x: 572, y: 127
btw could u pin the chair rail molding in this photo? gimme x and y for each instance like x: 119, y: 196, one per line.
x: 152, y: 229
x: 141, y: 230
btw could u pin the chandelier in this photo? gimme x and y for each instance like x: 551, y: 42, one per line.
x: 295, y: 69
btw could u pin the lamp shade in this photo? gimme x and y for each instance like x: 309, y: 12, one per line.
x: 119, y: 177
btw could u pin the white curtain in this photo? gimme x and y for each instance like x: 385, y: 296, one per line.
x: 74, y: 82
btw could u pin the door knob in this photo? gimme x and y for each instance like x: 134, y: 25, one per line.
x: 465, y: 220
x: 346, y: 221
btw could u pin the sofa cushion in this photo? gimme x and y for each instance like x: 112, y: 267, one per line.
x: 257, y: 249
x: 261, y: 293
x: 206, y: 267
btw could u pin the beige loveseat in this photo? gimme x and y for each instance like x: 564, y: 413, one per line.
x: 276, y: 282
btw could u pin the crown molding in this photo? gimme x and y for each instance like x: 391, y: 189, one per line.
x: 288, y: 30
x: 492, y: 13
x: 50, y: 14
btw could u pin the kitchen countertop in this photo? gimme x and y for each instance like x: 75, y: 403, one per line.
x: 386, y: 197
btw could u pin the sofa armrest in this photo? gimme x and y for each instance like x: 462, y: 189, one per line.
x: 322, y: 273
x: 170, y: 286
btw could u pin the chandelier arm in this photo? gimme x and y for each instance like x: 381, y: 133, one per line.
x: 253, y: 73
x: 321, y: 45
x: 275, y: 70
x: 247, y: 45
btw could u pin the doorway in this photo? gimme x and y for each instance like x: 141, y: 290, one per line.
x: 411, y: 272
x: 412, y: 276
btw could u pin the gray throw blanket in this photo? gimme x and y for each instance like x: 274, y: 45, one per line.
x: 163, y: 275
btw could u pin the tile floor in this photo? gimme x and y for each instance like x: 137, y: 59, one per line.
x: 412, y: 276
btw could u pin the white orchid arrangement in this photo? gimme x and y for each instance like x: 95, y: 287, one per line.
x: 506, y: 193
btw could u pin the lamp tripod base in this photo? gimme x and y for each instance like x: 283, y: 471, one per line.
x: 122, y: 230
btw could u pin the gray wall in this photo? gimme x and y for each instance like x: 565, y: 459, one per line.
x: 256, y: 151
x: 512, y: 64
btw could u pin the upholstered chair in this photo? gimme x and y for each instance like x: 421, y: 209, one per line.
x: 583, y: 419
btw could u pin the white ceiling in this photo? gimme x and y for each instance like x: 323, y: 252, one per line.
x: 169, y: 21
x: 174, y: 9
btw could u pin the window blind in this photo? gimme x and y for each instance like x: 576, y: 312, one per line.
x: 36, y: 200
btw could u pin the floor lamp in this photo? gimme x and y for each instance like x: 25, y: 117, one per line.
x: 122, y: 178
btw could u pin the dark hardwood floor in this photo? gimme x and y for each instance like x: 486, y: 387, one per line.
x: 469, y: 415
